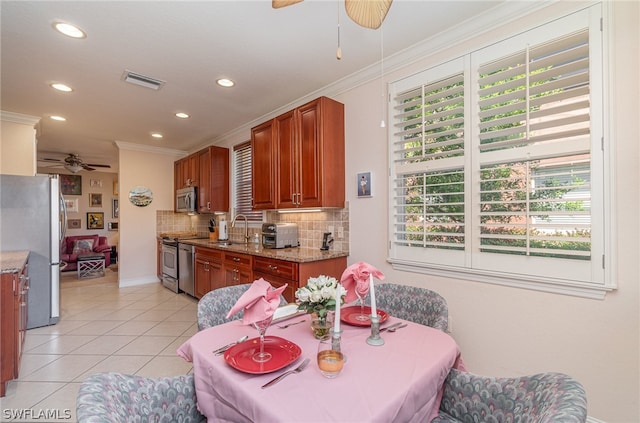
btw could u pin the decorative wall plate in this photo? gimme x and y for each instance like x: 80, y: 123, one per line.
x: 140, y: 196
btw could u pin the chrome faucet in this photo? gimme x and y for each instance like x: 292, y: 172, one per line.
x: 246, y: 226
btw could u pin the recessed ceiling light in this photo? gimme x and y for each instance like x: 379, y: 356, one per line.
x: 182, y: 115
x: 62, y: 87
x: 156, y: 135
x: 69, y: 30
x: 224, y: 82
x: 59, y: 118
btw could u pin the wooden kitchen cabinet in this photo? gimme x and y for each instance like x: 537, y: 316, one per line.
x: 237, y: 268
x: 263, y: 152
x: 14, y: 289
x: 299, y: 158
x: 295, y: 275
x: 208, y: 271
x: 186, y: 172
x: 213, y: 179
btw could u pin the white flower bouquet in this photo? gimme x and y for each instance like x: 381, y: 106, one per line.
x: 319, y: 295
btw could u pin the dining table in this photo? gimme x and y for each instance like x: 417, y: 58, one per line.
x: 399, y: 381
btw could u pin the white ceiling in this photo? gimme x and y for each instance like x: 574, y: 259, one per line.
x: 276, y: 56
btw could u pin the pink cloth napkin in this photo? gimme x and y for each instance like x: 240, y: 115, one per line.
x: 355, y: 277
x: 259, y: 302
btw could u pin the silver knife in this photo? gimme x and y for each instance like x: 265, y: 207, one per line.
x: 221, y: 350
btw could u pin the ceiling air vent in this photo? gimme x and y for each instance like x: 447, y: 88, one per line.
x: 142, y: 80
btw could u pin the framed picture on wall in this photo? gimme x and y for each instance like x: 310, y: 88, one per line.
x: 364, y: 184
x: 71, y: 204
x: 95, y: 183
x: 115, y: 208
x: 71, y: 184
x: 74, y: 223
x: 95, y: 200
x: 95, y: 220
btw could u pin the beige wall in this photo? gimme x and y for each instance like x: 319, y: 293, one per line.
x: 507, y: 331
x: 152, y: 168
x: 17, y: 144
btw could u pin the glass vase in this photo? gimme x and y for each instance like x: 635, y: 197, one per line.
x: 321, y: 325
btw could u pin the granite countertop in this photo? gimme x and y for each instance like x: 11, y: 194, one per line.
x: 298, y: 254
x: 13, y: 261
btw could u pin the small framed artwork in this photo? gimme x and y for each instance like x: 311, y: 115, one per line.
x: 113, y: 226
x: 115, y: 187
x: 71, y: 184
x: 74, y: 223
x: 95, y: 200
x: 95, y: 220
x: 71, y: 205
x: 95, y: 183
x: 364, y: 184
x: 115, y: 208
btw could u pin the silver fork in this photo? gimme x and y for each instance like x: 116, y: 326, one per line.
x: 398, y: 327
x: 285, y: 374
x: 289, y: 324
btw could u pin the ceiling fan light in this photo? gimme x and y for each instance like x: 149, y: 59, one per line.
x: 367, y: 13
x: 74, y: 168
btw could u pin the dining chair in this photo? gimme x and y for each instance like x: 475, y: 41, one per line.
x: 117, y: 398
x: 541, y: 398
x: 418, y: 305
x: 214, y: 305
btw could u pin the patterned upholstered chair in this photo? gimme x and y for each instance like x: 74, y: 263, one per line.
x: 419, y: 305
x: 117, y: 398
x: 541, y: 398
x: 214, y: 305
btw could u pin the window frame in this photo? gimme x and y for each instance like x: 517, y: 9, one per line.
x: 441, y: 266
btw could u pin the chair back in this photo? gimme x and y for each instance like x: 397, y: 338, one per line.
x: 214, y: 305
x: 115, y: 397
x: 541, y: 398
x: 419, y: 305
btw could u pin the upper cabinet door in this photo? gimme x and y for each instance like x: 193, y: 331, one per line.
x: 263, y: 150
x: 287, y: 157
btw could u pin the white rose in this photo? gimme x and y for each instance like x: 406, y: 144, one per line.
x: 327, y: 292
x: 316, y: 297
x: 303, y: 294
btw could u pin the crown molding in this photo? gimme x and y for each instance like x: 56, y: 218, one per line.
x: 123, y: 145
x: 19, y: 118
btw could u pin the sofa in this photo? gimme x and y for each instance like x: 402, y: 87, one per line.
x: 72, y: 246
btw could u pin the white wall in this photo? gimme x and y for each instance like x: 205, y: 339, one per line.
x: 152, y: 168
x: 506, y: 331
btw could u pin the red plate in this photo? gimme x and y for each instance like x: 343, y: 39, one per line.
x: 283, y: 353
x: 348, y: 315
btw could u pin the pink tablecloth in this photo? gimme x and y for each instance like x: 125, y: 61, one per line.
x: 397, y: 382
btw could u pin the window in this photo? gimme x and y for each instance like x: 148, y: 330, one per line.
x: 496, y: 161
x: 242, y: 183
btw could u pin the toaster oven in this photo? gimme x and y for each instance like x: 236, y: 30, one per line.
x: 279, y: 235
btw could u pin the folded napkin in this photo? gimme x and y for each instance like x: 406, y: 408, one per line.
x: 259, y: 302
x: 355, y: 277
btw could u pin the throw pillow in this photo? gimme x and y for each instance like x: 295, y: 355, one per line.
x: 82, y: 246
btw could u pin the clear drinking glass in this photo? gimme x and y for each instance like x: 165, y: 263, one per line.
x: 261, y: 356
x: 361, y: 294
x: 330, y: 362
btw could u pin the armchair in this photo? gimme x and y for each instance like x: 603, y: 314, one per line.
x: 540, y: 398
x: 70, y: 249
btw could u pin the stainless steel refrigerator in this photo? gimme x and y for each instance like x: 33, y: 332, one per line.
x: 32, y: 218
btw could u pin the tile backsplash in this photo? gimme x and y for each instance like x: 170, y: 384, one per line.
x: 311, y: 226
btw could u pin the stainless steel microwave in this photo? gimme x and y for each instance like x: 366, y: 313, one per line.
x: 186, y: 200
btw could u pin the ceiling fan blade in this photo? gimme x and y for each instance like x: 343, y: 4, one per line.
x: 277, y: 4
x: 47, y: 159
x: 86, y: 167
x: 367, y: 13
x: 97, y: 165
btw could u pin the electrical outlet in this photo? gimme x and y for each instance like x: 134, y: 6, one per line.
x: 340, y: 232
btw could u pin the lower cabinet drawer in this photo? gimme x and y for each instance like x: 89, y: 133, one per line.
x: 290, y: 291
x: 280, y: 268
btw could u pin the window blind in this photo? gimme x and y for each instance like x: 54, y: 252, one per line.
x: 242, y: 174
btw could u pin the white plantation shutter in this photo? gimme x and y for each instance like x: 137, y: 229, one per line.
x: 494, y: 158
x: 242, y: 174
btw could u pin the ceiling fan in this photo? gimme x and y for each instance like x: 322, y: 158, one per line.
x: 74, y: 163
x: 366, y: 13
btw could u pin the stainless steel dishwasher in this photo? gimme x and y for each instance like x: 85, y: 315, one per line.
x: 186, y: 276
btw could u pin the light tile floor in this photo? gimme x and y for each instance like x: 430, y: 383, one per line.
x: 134, y: 330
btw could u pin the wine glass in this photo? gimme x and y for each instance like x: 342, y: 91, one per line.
x: 361, y: 292
x: 261, y: 356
